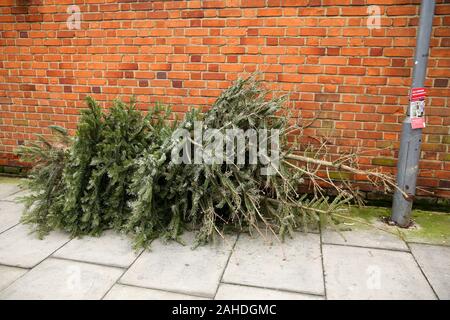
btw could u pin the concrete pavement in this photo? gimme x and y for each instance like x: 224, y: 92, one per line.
x: 364, y: 264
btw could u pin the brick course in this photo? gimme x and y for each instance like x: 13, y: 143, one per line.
x: 183, y: 53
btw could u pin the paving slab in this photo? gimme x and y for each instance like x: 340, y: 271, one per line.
x: 238, y: 292
x: 110, y: 248
x: 10, y: 214
x: 8, y: 186
x: 294, y: 265
x: 122, y: 292
x: 56, y: 279
x: 177, y: 268
x: 365, y: 238
x: 362, y: 273
x: 19, y: 248
x: 435, y: 263
x: 10, y: 274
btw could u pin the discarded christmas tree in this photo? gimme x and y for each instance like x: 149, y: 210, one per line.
x: 120, y: 172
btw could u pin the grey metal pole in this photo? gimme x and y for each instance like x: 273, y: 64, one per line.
x: 411, y: 139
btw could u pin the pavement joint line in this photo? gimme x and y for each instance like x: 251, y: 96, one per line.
x: 13, y: 266
x: 162, y: 290
x: 119, y: 278
x: 88, y: 262
x: 323, y: 265
x: 34, y: 266
x: 423, y: 273
x: 274, y: 289
x: 9, y: 201
x: 9, y: 265
x: 134, y: 261
x: 365, y: 247
x: 10, y: 228
x: 97, y: 264
x: 11, y: 194
x: 17, y: 222
x: 428, y: 244
x: 27, y: 270
x: 226, y: 265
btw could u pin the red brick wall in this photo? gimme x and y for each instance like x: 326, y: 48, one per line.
x: 184, y: 53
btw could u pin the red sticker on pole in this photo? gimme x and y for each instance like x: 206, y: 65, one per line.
x: 417, y: 123
x: 417, y: 94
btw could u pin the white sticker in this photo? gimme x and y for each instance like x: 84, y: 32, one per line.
x: 417, y: 109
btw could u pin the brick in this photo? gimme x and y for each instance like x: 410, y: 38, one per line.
x: 196, y: 58
x: 213, y: 76
x: 253, y: 3
x: 27, y: 87
x: 289, y: 78
x: 322, y: 97
x: 143, y: 83
x: 402, y: 10
x: 376, y: 51
x: 352, y: 70
x: 386, y: 162
x: 272, y: 12
x: 398, y: 52
x: 125, y: 66
x: 440, y: 82
x: 192, y: 14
